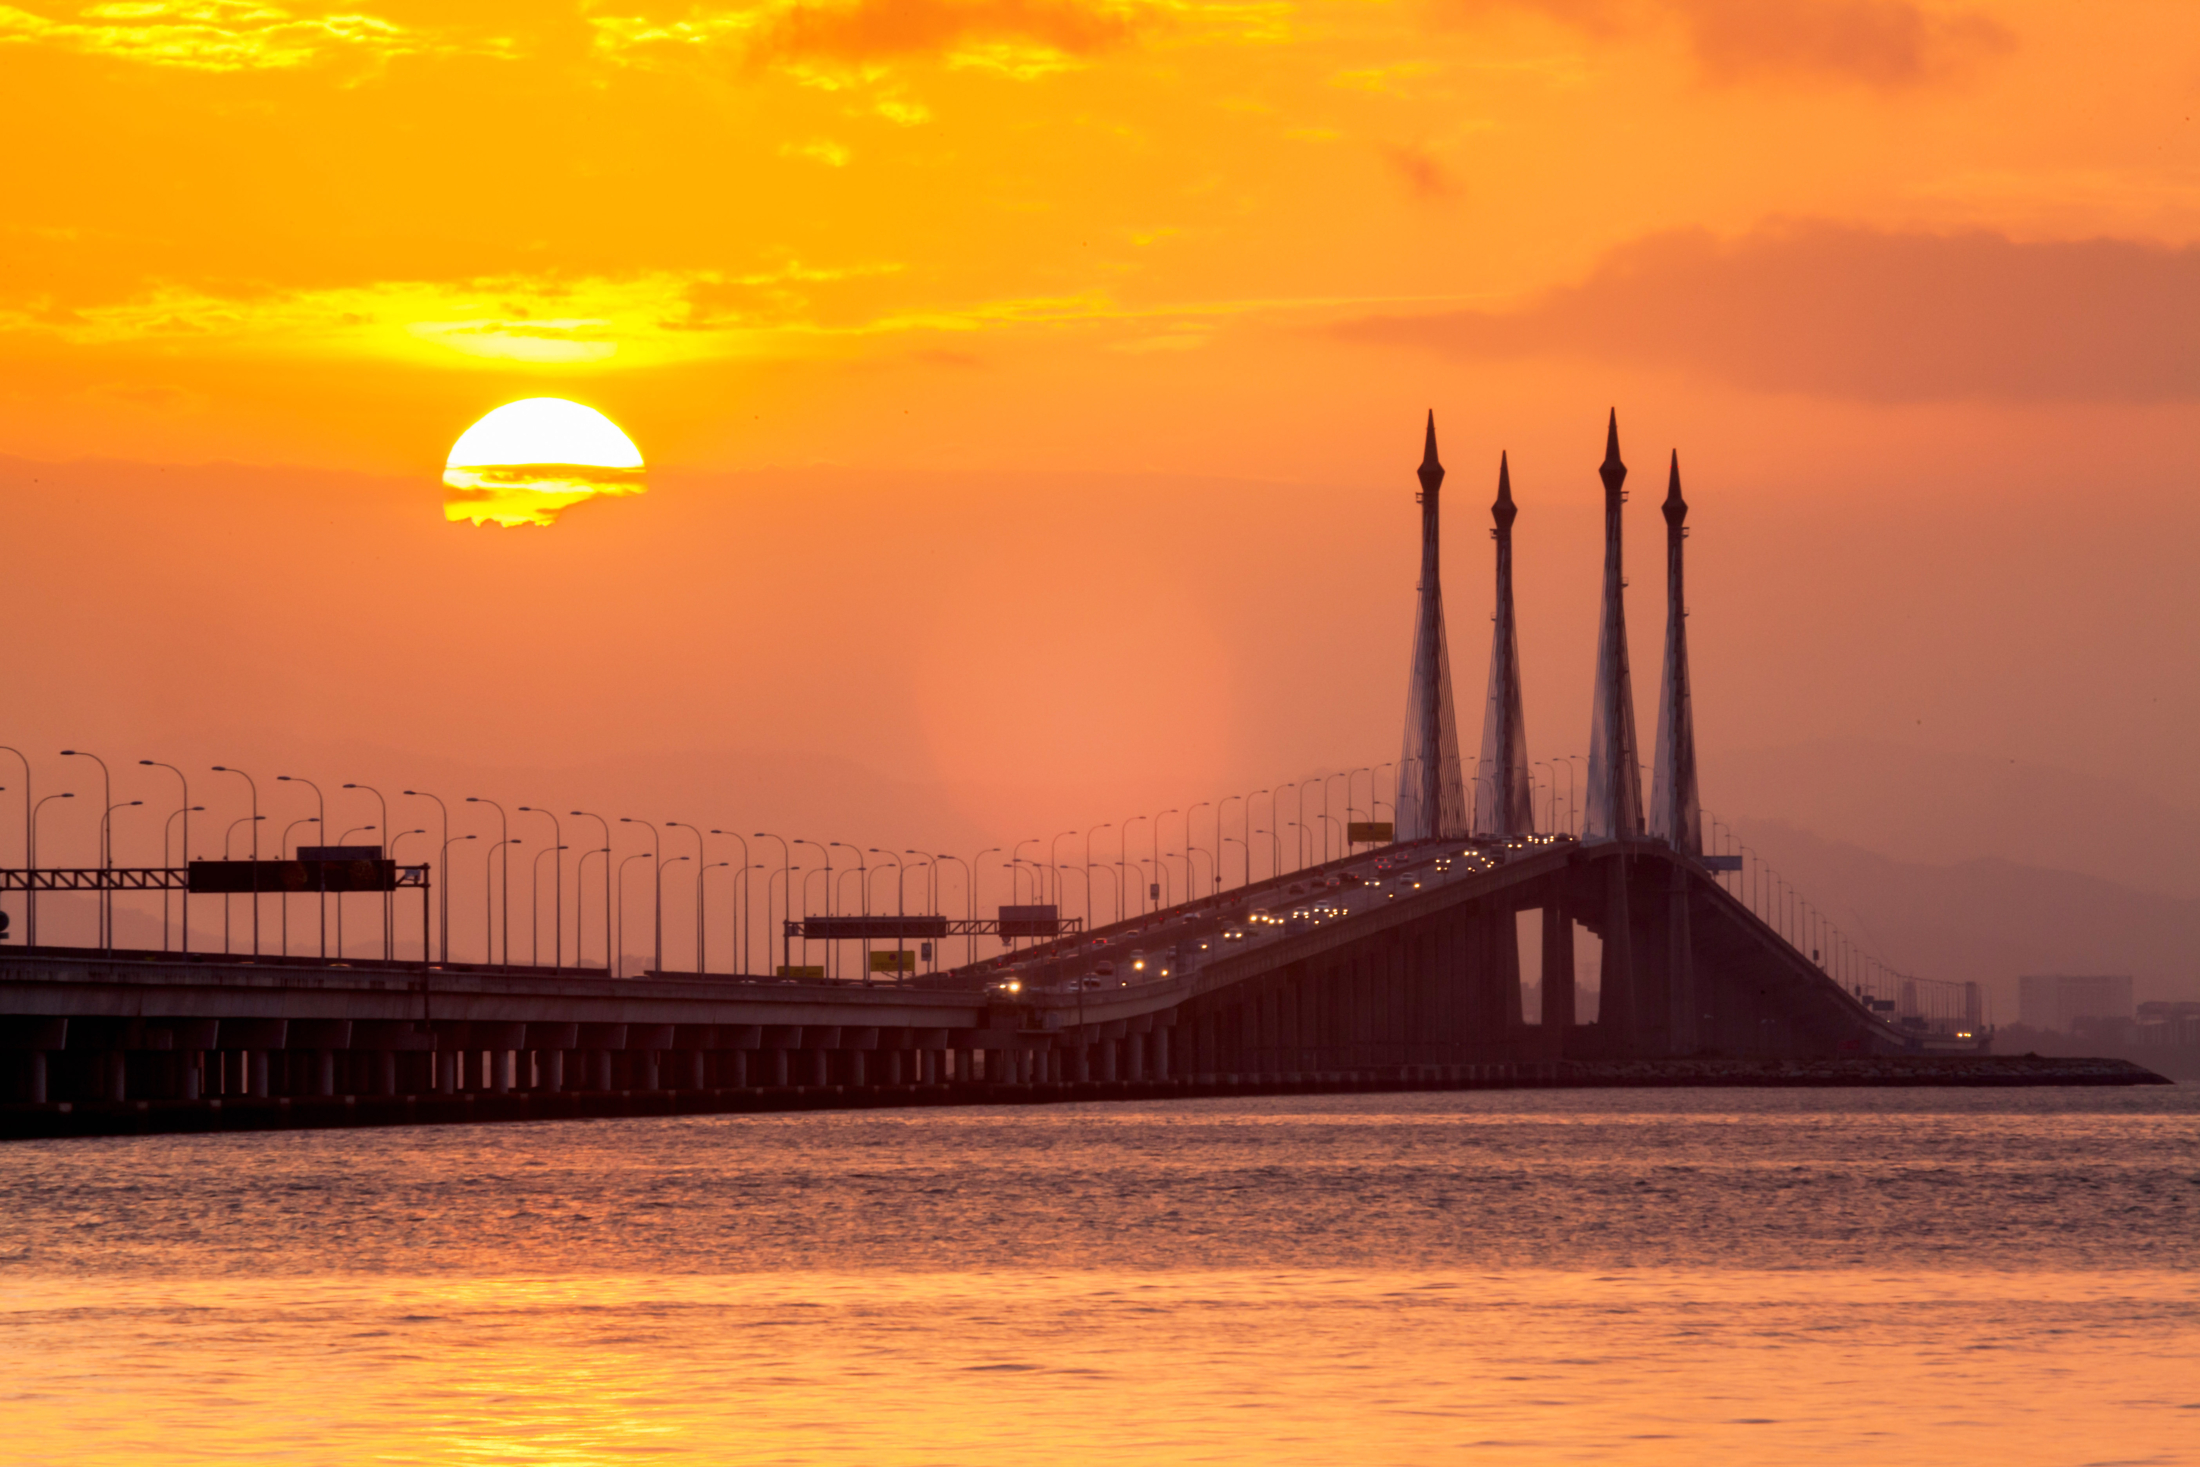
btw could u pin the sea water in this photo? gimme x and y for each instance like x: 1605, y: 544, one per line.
x: 1759, y: 1276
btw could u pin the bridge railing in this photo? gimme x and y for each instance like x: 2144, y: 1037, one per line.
x: 1928, y: 1005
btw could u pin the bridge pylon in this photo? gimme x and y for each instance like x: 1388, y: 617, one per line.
x: 1504, y: 803
x: 1432, y: 796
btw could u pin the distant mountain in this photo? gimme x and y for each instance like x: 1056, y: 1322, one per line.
x: 1989, y: 919
x: 1937, y: 808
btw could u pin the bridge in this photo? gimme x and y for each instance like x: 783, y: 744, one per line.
x: 1400, y: 962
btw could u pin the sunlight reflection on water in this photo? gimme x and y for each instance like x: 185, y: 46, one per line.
x: 1667, y: 1277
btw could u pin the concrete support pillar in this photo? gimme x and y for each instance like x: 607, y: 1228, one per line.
x: 188, y: 1084
x: 1161, y: 1054
x: 1616, y: 1001
x: 856, y: 1068
x: 256, y: 1063
x: 114, y: 1076
x: 1108, y: 1049
x: 324, y: 1072
x: 1680, y: 966
x: 503, y: 1066
x: 446, y: 1071
x: 552, y: 1062
x: 1558, y: 977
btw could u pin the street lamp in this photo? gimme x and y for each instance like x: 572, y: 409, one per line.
x: 702, y: 967
x: 107, y: 839
x: 166, y: 830
x: 30, y: 835
x: 657, y: 865
x: 805, y: 899
x: 1122, y: 856
x: 557, y: 900
x: 443, y: 872
x: 743, y: 913
x: 628, y: 861
x: 786, y: 866
x: 345, y: 840
x: 1213, y: 876
x: 255, y: 786
x: 389, y: 925
x: 977, y: 870
x: 534, y: 907
x: 607, y: 964
x: 321, y: 808
x: 282, y: 853
x: 185, y: 812
x: 701, y: 855
x: 504, y: 838
x: 106, y: 800
x: 970, y: 896
x: 443, y: 864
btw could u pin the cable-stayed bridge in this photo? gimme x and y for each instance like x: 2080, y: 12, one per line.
x: 1398, y: 963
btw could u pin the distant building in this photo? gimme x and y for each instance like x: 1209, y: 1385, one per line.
x: 2059, y: 1000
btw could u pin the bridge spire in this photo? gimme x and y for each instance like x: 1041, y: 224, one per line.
x: 1503, y: 800
x: 1432, y: 798
x: 1613, y: 809
x: 1674, y: 813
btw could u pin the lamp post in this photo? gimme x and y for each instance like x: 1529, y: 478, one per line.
x: 345, y: 840
x: 864, y: 886
x: 970, y: 897
x: 702, y: 967
x: 557, y: 898
x: 623, y: 864
x: 1054, y: 857
x: 977, y: 872
x: 1245, y: 824
x: 742, y: 915
x: 701, y: 855
x: 443, y: 864
x: 607, y: 958
x: 1189, y: 848
x: 805, y: 899
x: 1220, y: 806
x: 656, y: 854
x: 534, y: 907
x: 1016, y: 862
x: 107, y: 843
x: 443, y: 872
x: 30, y: 837
x: 320, y: 808
x: 1154, y: 829
x: 389, y: 926
x: 30, y: 897
x: 1245, y: 852
x: 580, y: 878
x: 1374, y: 801
x: 229, y: 854
x: 425, y: 953
x: 504, y: 838
x: 255, y: 785
x: 931, y: 899
x: 1122, y: 857
x: 786, y: 866
x: 901, y: 909
x: 166, y: 831
x: 1573, y: 809
x: 185, y: 812
x: 502, y: 847
x: 282, y: 853
x: 106, y: 800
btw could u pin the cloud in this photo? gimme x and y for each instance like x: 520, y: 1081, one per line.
x: 1888, y: 44
x: 835, y: 43
x: 1854, y: 313
x: 214, y: 35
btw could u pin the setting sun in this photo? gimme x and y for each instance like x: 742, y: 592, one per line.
x: 529, y: 461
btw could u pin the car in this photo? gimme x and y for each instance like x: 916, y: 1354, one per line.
x: 1104, y: 969
x: 1006, y: 988
x: 1233, y: 934
x: 1138, y: 960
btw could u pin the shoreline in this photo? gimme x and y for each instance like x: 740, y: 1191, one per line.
x: 64, y: 1119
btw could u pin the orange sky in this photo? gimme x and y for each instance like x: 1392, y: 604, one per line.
x: 1030, y: 388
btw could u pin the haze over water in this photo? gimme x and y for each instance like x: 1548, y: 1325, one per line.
x: 1504, y: 1277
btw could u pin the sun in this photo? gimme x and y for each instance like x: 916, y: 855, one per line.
x: 529, y: 461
